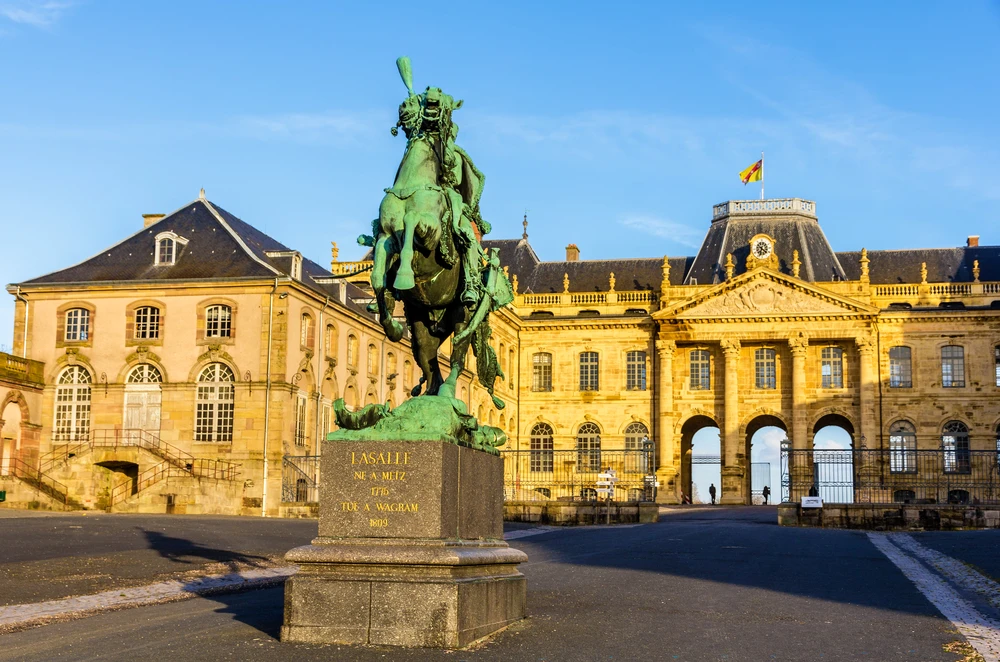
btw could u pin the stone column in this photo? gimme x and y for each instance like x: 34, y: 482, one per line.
x: 867, y: 467
x: 800, y: 467
x: 866, y: 390
x: 666, y: 470
x: 799, y: 344
x: 732, y: 471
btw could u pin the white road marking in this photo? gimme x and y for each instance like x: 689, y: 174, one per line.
x: 19, y: 615
x: 982, y: 631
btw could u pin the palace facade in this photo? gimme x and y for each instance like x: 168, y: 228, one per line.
x: 181, y: 369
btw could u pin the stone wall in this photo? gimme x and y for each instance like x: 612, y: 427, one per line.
x: 891, y: 517
x: 581, y: 512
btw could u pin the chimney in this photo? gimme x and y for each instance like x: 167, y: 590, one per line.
x: 149, y: 219
x: 572, y: 253
x: 972, y: 241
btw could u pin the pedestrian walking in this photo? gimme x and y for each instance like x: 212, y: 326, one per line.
x: 766, y: 493
x: 711, y: 492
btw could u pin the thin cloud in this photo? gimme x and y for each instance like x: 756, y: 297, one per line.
x: 38, y: 14
x: 332, y: 126
x: 665, y: 229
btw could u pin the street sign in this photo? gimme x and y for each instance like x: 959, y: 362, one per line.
x: 607, y: 476
x: 605, y: 482
x: 605, y: 490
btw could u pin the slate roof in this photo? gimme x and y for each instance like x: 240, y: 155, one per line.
x: 943, y: 264
x: 790, y: 232
x: 220, y: 246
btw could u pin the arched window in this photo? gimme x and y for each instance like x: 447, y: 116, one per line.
x: 144, y: 373
x: 390, y: 363
x: 588, y: 448
x: 589, y: 371
x: 300, y: 420
x: 330, y: 340
x: 480, y: 414
x: 902, y: 447
x: 955, y: 445
x: 701, y: 370
x: 541, y: 372
x: 502, y: 358
x: 541, y: 447
x: 218, y: 321
x: 352, y: 351
x: 408, y: 375
x: 72, y: 422
x: 953, y: 366
x: 351, y: 398
x: 832, y: 366
x: 307, y: 331
x: 216, y: 395
x: 634, y: 435
x: 900, y: 367
x: 77, y: 324
x: 165, y: 250
x: 635, y: 371
x: 146, y: 323
x: 503, y: 422
x: 996, y: 364
x: 372, y: 359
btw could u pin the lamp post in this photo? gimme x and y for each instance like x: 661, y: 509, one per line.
x: 784, y: 464
x: 647, y: 448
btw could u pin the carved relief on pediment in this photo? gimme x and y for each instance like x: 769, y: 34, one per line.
x: 762, y: 297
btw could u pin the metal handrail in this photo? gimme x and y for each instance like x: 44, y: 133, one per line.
x: 41, y: 481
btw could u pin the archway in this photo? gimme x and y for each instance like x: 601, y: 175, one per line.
x: 764, y: 435
x: 833, y: 458
x: 700, y: 471
x: 10, y: 435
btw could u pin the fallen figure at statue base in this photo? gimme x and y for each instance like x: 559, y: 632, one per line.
x: 424, y: 418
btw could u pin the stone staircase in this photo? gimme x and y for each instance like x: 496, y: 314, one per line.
x: 44, y: 483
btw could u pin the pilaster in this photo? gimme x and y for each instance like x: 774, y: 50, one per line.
x: 666, y: 470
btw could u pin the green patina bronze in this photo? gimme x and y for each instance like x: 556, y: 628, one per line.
x: 427, y: 254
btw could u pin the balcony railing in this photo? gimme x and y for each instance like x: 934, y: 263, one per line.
x: 571, y: 475
x: 955, y: 476
x: 763, y: 207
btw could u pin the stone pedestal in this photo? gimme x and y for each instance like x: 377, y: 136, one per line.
x: 410, y: 549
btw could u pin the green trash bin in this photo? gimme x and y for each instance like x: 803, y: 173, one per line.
x: 3, y: 495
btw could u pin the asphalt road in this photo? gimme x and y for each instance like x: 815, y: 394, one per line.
x: 702, y: 584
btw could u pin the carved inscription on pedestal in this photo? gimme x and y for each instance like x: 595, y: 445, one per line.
x: 382, y: 490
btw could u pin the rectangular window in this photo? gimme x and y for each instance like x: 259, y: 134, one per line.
x: 589, y: 371
x: 765, y: 368
x: 701, y: 370
x: 902, y: 453
x: 900, y: 368
x: 635, y: 371
x: 77, y: 324
x: 327, y: 419
x: 147, y: 323
x: 541, y: 372
x: 833, y: 367
x: 956, y: 454
x: 218, y: 320
x: 300, y: 420
x: 953, y: 366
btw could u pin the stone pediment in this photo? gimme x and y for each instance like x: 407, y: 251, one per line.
x: 764, y: 293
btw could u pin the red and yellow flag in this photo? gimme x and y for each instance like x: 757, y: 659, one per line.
x: 754, y: 173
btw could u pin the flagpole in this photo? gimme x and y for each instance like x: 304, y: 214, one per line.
x: 762, y: 175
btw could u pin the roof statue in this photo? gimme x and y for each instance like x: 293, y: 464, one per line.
x: 427, y: 254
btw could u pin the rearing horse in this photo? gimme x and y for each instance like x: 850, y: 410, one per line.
x: 407, y: 252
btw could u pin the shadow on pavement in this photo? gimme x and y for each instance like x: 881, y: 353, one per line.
x: 182, y: 550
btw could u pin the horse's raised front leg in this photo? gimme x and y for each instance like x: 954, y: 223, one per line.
x: 404, y: 275
x: 380, y: 260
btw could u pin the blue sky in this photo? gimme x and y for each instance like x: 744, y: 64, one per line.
x: 617, y: 126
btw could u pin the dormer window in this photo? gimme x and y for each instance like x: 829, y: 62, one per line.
x: 167, y: 247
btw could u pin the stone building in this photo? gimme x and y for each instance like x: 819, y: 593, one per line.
x: 226, y: 348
